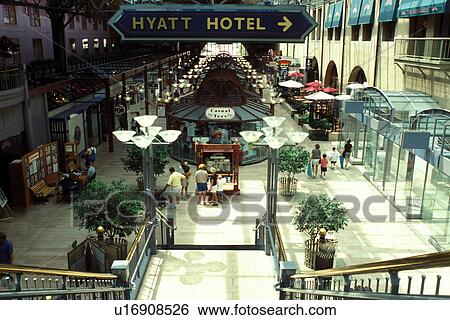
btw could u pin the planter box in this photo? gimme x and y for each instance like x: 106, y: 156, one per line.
x: 320, y: 255
x: 317, y: 134
x: 286, y: 189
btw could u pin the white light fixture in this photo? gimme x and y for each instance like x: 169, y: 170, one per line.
x: 250, y: 136
x: 276, y: 142
x: 297, y: 136
x: 274, y: 121
x: 124, y: 135
x: 268, y: 131
x: 146, y: 121
x: 170, y: 135
x: 151, y: 131
x: 142, y: 141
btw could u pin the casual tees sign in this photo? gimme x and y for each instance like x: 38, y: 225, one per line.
x: 388, y: 11
x: 413, y: 8
x: 212, y: 23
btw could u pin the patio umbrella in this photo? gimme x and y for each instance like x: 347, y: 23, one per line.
x: 295, y: 74
x: 355, y: 85
x: 291, y: 84
x: 313, y: 89
x: 330, y: 90
x: 343, y: 97
x: 313, y: 84
x: 320, y: 96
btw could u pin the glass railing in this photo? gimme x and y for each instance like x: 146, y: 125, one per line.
x: 435, y: 50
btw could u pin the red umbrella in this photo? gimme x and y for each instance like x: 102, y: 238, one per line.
x: 330, y: 90
x: 295, y: 74
x: 313, y: 88
x: 313, y: 84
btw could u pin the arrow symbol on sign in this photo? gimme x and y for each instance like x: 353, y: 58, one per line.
x: 286, y: 24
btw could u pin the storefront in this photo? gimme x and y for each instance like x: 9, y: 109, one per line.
x: 404, y: 147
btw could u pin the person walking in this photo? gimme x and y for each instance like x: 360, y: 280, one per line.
x: 91, y: 154
x: 6, y: 250
x: 347, y: 152
x: 334, y: 157
x: 315, y: 159
x: 186, y: 171
x: 323, y: 166
x: 201, y: 178
x: 173, y: 188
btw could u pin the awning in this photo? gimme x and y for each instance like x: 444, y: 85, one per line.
x: 354, y: 12
x: 413, y: 8
x: 388, y: 11
x: 337, y: 18
x: 330, y: 15
x: 366, y: 12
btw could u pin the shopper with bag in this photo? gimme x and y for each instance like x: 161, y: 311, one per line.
x: 347, y: 152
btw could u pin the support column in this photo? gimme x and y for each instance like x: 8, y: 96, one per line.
x: 110, y: 113
x: 146, y: 103
x: 268, y: 221
x: 151, y: 198
x: 124, y: 102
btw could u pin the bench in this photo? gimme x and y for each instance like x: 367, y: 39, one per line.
x: 41, y: 190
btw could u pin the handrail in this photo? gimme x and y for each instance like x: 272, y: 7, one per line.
x: 136, y: 241
x: 164, y: 219
x: 420, y: 38
x: 424, y: 261
x: 282, y: 250
x: 19, y: 269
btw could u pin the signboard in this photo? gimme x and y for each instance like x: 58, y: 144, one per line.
x: 220, y: 113
x: 251, y: 23
x: 153, y: 85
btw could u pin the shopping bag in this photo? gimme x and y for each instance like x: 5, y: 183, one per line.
x: 341, y: 160
x: 309, y: 170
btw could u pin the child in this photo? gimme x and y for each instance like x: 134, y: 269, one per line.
x: 220, y: 183
x: 334, y: 157
x: 323, y: 166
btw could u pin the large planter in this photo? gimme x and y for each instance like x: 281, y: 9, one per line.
x: 288, y: 187
x: 319, y: 255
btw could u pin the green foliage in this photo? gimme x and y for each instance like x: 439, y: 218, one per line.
x: 292, y: 160
x: 304, y: 118
x: 323, y: 124
x: 116, y: 208
x: 299, y: 106
x: 133, y: 160
x: 315, y: 212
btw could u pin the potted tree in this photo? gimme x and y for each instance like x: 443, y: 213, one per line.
x: 312, y: 214
x: 133, y: 162
x: 291, y: 161
x: 115, y: 207
x: 321, y: 128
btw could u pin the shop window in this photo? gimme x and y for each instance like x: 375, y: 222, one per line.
x: 330, y: 34
x: 319, y: 27
x: 355, y: 33
x: 73, y: 45
x: 85, y: 45
x: 9, y: 14
x: 337, y: 34
x: 418, y: 27
x: 35, y: 17
x: 313, y: 34
x: 388, y: 31
x: 105, y: 45
x: 72, y: 22
x: 16, y: 58
x: 367, y: 32
x: 38, y: 50
x: 96, y: 45
x: 84, y: 23
x: 442, y: 25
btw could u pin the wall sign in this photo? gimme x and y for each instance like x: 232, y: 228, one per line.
x: 251, y: 23
x: 77, y: 135
x: 220, y: 113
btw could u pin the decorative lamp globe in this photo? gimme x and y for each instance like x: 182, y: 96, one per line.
x: 100, y: 230
x: 268, y: 131
x: 297, y: 136
x: 142, y: 141
x: 124, y: 135
x: 145, y: 121
x: 151, y: 131
x: 276, y: 142
x: 250, y: 136
x: 274, y: 121
x: 170, y: 135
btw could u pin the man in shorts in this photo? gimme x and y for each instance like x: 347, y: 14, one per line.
x: 315, y: 159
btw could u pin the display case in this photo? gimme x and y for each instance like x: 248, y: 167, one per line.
x: 223, y: 159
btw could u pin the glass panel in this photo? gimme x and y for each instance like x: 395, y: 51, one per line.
x: 391, y: 171
x: 370, y: 152
x: 436, y: 206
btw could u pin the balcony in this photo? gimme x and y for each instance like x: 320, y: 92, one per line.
x: 432, y: 53
x: 11, y: 87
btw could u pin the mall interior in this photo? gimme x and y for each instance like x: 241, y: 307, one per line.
x: 327, y: 157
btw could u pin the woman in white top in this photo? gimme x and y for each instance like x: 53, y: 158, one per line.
x: 220, y: 184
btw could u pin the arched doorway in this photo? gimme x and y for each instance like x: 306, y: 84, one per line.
x: 312, y: 69
x: 357, y: 75
x: 331, y: 76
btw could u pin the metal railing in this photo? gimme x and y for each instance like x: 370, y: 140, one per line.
x: 10, y: 79
x: 378, y: 280
x: 431, y: 50
x: 27, y: 282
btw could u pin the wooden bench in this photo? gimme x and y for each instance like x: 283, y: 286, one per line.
x: 41, y: 190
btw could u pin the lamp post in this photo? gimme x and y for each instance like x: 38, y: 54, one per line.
x: 151, y: 136
x: 274, y: 141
